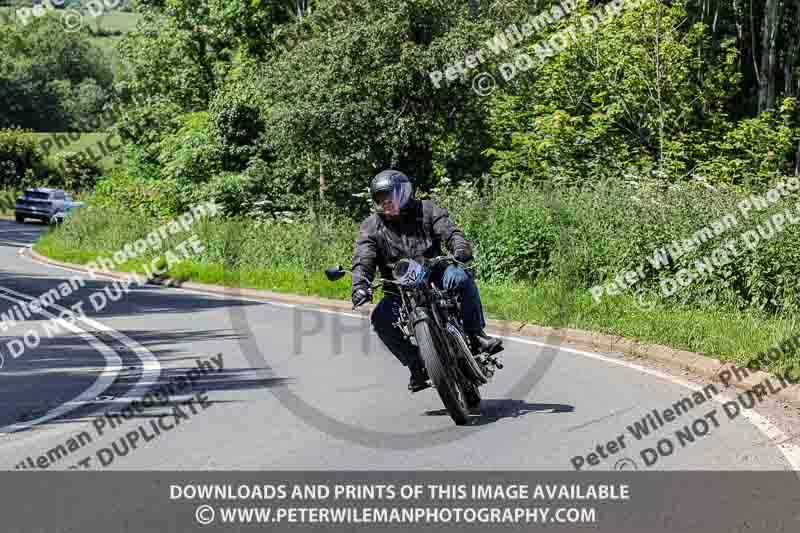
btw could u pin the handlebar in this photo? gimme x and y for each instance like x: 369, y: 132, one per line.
x: 426, y: 262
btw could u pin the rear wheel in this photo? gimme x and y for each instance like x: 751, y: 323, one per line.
x: 20, y: 219
x: 449, y: 390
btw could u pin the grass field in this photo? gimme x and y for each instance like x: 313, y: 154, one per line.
x: 113, y: 21
x: 89, y: 142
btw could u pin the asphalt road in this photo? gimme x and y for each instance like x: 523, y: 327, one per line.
x: 287, y: 388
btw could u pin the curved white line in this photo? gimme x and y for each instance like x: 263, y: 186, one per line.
x: 103, y: 381
x: 791, y: 452
x: 150, y: 366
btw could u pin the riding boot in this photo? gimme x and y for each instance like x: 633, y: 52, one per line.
x: 419, y: 378
x: 484, y: 343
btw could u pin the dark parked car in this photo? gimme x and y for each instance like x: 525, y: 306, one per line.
x: 47, y: 205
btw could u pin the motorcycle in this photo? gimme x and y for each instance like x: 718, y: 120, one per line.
x: 431, y: 319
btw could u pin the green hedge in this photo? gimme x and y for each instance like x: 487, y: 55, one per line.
x: 581, y: 237
x: 590, y: 235
x: 23, y: 163
x: 291, y: 256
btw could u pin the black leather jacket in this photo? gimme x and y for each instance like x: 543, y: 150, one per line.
x: 419, y: 232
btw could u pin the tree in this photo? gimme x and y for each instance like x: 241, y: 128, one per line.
x: 358, y: 97
x: 40, y: 64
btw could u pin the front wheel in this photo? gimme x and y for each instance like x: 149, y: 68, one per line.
x: 473, y: 396
x: 449, y: 390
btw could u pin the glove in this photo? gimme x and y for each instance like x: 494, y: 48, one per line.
x: 462, y: 255
x: 361, y: 296
x: 453, y: 277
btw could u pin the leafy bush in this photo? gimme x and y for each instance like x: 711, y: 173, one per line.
x: 757, y: 150
x: 592, y: 234
x: 236, y: 123
x: 74, y: 171
x: 230, y: 190
x: 189, y: 155
x: 272, y: 192
x: 20, y: 155
x: 146, y: 197
x: 54, y: 78
x: 511, y: 231
x: 142, y: 129
x: 86, y: 105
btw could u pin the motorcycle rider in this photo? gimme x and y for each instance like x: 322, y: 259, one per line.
x: 401, y: 227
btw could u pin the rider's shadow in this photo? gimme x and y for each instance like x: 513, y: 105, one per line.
x: 493, y: 410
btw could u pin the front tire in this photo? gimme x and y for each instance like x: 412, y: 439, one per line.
x: 453, y: 398
x: 473, y: 396
x: 20, y: 219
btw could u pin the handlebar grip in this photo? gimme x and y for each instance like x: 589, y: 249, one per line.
x: 361, y: 302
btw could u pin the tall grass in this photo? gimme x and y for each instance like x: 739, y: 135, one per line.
x: 537, y: 253
x: 611, y: 228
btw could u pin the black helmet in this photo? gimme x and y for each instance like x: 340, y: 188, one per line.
x: 396, y: 183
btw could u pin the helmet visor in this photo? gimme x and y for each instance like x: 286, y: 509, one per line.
x: 398, y: 195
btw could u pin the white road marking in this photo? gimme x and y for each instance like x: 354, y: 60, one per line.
x: 103, y: 381
x: 150, y: 365
x: 791, y: 452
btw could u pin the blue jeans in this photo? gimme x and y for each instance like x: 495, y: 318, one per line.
x: 388, y: 311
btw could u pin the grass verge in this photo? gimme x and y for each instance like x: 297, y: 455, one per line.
x: 727, y: 334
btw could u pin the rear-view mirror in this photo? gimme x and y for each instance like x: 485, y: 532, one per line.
x: 334, y: 273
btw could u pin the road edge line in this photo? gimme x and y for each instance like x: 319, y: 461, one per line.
x: 105, y: 380
x: 699, y: 364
